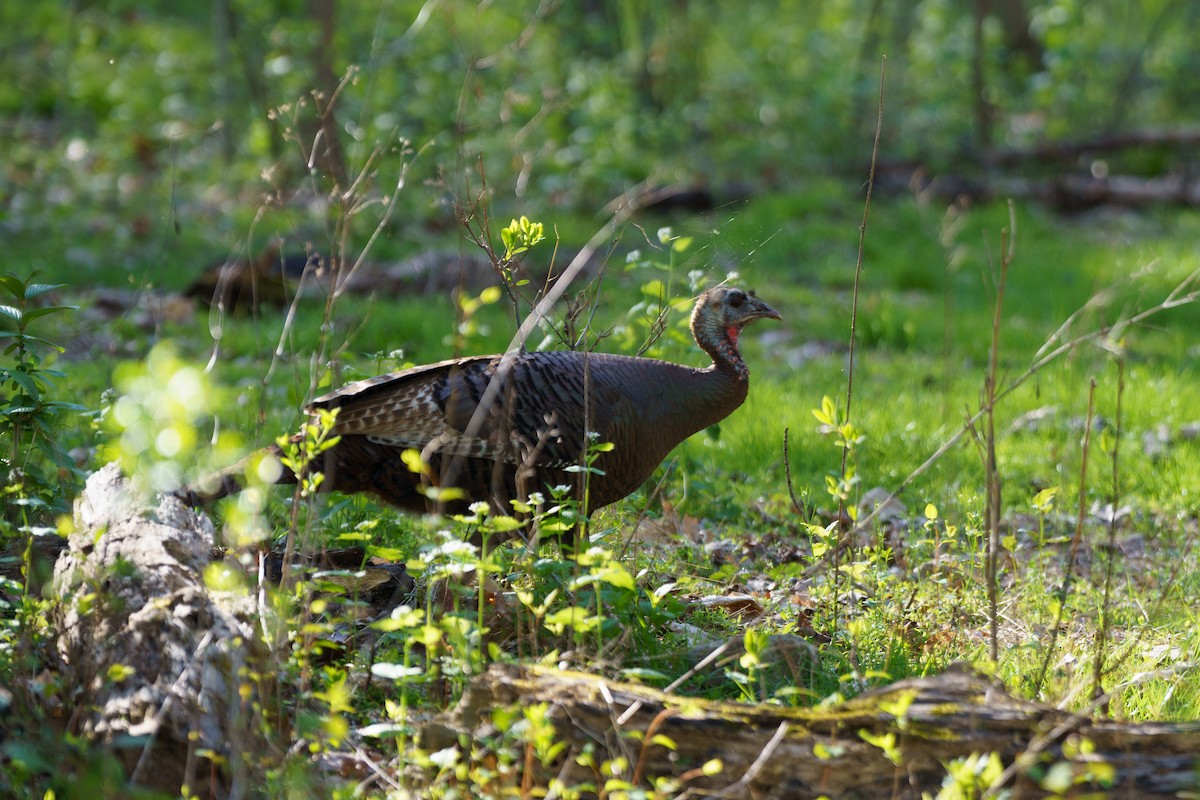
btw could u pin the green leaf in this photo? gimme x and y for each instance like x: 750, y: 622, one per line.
x: 12, y: 313
x: 36, y: 289
x: 617, y: 576
x: 15, y: 410
x: 503, y: 524
x: 663, y: 741
x: 645, y: 674
x: 574, y: 617
x: 823, y: 416
x: 654, y: 289
x: 27, y: 339
x: 1045, y: 498
x: 34, y: 313
x: 13, y: 285
x: 26, y: 382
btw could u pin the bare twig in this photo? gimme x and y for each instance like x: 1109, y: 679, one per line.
x: 743, y: 783
x: 862, y: 237
x: 797, y: 506
x: 540, y: 312
x: 858, y: 268
x: 992, y: 475
x: 1076, y: 540
x: 1105, y: 619
x: 675, y: 684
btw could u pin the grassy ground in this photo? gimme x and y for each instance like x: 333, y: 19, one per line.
x: 909, y: 597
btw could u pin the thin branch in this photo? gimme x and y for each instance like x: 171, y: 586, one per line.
x: 540, y: 312
x: 858, y: 268
x: 1076, y: 540
x: 992, y: 476
x: 1105, y: 607
x: 862, y: 237
x: 797, y: 506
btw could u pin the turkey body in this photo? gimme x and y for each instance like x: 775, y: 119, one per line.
x: 500, y: 427
x: 532, y: 431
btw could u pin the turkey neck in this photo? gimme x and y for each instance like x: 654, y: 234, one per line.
x: 706, y: 396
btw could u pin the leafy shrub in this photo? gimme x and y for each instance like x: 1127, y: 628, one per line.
x: 39, y: 475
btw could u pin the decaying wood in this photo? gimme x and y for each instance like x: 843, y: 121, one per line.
x: 157, y: 661
x: 1069, y: 151
x: 1079, y: 192
x: 1066, y: 192
x: 775, y: 752
x: 152, y: 655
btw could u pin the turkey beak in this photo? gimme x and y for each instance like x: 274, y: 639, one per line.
x: 757, y: 309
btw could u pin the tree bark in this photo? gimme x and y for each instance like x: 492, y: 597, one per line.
x: 1014, y: 19
x: 327, y: 151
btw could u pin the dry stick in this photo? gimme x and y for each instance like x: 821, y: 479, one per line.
x: 787, y: 474
x: 1105, y: 621
x: 862, y: 237
x: 743, y: 783
x: 648, y: 740
x: 1076, y: 539
x: 539, y: 312
x: 380, y: 226
x: 992, y: 472
x: 1180, y: 296
x: 675, y: 684
x: 858, y: 266
x: 350, y: 204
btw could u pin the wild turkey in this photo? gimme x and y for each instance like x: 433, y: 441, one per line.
x: 533, y: 426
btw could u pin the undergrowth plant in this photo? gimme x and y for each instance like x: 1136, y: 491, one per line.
x: 39, y: 476
x: 38, y: 479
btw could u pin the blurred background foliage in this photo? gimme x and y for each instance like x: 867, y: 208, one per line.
x: 162, y: 113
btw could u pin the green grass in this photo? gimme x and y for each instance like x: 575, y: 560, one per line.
x: 911, y: 599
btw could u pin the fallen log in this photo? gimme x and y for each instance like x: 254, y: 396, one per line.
x: 1075, y: 193
x: 1066, y: 193
x: 152, y: 657
x: 1072, y: 150
x: 894, y: 742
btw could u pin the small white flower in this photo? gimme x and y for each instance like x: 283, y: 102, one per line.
x: 446, y: 758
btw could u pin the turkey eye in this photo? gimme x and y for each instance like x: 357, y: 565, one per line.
x: 736, y: 299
